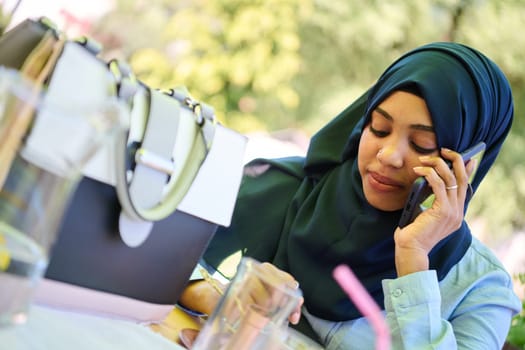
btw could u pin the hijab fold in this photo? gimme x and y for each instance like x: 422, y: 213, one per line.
x: 308, y: 215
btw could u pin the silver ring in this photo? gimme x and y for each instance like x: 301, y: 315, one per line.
x: 451, y: 187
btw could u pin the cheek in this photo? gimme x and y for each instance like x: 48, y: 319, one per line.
x: 410, y: 174
x: 367, y: 151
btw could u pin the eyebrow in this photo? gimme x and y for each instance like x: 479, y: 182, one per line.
x: 387, y: 116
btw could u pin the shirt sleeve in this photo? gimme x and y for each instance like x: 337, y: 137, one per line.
x: 413, y: 305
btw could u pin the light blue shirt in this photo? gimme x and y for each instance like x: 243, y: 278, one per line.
x: 471, y: 308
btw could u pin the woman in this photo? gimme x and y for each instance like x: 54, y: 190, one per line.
x: 439, y: 287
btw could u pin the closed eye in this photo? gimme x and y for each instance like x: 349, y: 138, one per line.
x: 422, y: 150
x: 378, y: 133
x: 414, y: 145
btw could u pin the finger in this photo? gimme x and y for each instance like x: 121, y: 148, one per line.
x: 274, y: 288
x: 278, y: 276
x: 449, y: 185
x: 443, y: 170
x: 295, y: 316
x: 445, y: 203
x: 434, y: 179
x: 462, y: 173
x: 277, y: 279
x: 470, y: 167
x: 259, y: 292
x: 266, y: 285
x: 458, y: 167
x: 187, y: 337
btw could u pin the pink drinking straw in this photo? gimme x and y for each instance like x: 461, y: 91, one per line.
x: 364, y: 302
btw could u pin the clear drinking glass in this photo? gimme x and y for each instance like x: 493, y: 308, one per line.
x: 254, y: 301
x: 42, y: 152
x: 285, y: 338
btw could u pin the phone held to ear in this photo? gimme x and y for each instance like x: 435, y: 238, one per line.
x: 421, y: 196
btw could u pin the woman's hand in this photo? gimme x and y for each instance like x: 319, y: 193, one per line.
x: 415, y: 241
x: 261, y: 294
x: 204, y: 295
x: 263, y: 291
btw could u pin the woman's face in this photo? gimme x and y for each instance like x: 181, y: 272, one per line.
x: 399, y: 132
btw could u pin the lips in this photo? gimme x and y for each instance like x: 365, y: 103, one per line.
x: 383, y: 183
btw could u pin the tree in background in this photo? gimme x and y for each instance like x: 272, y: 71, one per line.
x: 274, y: 64
x: 492, y: 26
x: 239, y: 56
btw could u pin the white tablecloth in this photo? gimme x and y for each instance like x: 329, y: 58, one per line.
x: 51, y: 329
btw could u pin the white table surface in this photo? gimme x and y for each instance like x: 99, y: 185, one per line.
x: 52, y: 329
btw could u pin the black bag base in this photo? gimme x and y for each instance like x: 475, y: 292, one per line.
x: 89, y: 252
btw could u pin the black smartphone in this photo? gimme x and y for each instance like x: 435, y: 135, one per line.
x: 421, y: 196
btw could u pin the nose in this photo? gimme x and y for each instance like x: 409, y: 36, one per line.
x: 391, y: 155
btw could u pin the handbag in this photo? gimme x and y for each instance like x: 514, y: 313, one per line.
x: 34, y: 56
x: 149, y: 201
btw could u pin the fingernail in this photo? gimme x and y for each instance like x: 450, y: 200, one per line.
x: 294, y: 319
x: 187, y: 337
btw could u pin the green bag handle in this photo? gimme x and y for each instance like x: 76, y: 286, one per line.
x: 164, y: 150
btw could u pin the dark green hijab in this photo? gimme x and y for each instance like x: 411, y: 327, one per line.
x: 308, y: 215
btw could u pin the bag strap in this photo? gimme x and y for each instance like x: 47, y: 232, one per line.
x: 148, y: 187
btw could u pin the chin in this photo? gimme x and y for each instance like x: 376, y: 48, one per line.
x: 384, y: 202
x: 383, y: 207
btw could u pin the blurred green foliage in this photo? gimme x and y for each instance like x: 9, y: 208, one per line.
x: 516, y: 334
x: 239, y: 56
x: 274, y: 64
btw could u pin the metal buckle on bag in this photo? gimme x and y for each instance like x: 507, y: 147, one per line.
x: 91, y: 45
x: 126, y: 83
x: 204, y: 114
x: 201, y: 110
x: 48, y: 24
x: 154, y: 161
